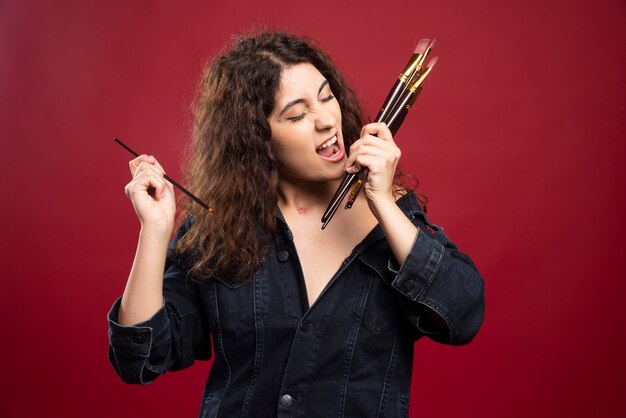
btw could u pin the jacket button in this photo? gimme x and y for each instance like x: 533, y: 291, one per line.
x: 286, y: 400
x: 408, y: 285
x: 304, y: 326
x: 283, y: 256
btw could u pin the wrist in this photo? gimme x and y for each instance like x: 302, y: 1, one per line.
x: 156, y: 233
x: 382, y: 205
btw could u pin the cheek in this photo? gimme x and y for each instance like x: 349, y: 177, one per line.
x: 337, y: 113
x: 289, y: 153
x: 290, y: 138
x: 282, y: 148
x: 338, y: 109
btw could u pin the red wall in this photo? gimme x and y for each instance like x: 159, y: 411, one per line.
x: 518, y: 140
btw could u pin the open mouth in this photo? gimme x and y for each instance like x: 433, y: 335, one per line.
x: 329, y: 149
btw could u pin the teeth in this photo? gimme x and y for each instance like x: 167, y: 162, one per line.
x: 328, y: 143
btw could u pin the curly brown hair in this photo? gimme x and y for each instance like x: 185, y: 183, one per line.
x: 231, y: 165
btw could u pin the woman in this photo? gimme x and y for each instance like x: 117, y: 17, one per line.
x: 304, y: 321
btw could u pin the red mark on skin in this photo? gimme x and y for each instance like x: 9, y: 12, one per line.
x: 302, y: 211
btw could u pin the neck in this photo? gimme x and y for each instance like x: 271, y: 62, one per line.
x: 296, y: 195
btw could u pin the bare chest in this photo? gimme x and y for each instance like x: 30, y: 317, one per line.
x: 320, y: 260
x: 321, y: 253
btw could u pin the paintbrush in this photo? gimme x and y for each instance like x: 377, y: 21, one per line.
x: 181, y: 188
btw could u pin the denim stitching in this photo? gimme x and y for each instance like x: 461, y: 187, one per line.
x: 143, y: 365
x: 258, y: 324
x: 205, y: 406
x: 392, y: 364
x: 407, y: 260
x: 441, y: 237
x: 155, y: 369
x: 437, y: 308
x: 356, y: 325
x: 139, y: 370
x: 433, y: 270
x: 117, y: 363
x: 218, y: 336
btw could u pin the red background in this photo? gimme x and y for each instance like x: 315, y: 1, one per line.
x: 517, y: 141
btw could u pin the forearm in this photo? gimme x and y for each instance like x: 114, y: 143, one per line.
x: 399, y: 230
x: 143, y: 295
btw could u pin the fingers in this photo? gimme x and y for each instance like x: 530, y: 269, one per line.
x: 149, y: 183
x: 149, y: 159
x: 379, y: 130
x: 370, y: 161
x: 134, y: 163
x: 372, y: 158
x: 382, y: 146
x: 147, y: 177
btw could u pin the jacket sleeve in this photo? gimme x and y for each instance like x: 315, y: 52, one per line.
x: 172, y: 338
x: 441, y: 291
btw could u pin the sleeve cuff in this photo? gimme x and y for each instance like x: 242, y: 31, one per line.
x: 136, y: 339
x: 414, y: 276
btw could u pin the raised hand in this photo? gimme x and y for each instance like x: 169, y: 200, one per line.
x: 151, y: 195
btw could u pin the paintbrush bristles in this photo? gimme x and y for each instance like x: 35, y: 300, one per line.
x: 426, y: 52
x: 421, y: 46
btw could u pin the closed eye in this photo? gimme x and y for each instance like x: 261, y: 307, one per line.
x: 296, y: 118
x: 300, y: 117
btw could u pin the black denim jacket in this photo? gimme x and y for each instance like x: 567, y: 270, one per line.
x: 348, y: 355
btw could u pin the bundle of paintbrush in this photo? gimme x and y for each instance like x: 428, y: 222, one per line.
x: 395, y: 108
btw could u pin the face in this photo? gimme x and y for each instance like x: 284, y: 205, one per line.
x: 306, y: 126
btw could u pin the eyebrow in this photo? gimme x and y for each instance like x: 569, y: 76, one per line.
x: 295, y: 102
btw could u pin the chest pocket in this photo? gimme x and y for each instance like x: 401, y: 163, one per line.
x: 235, y: 303
x: 379, y: 313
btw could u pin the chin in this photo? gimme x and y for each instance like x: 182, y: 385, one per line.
x: 338, y: 174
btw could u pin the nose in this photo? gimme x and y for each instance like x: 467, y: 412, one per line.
x: 325, y: 119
